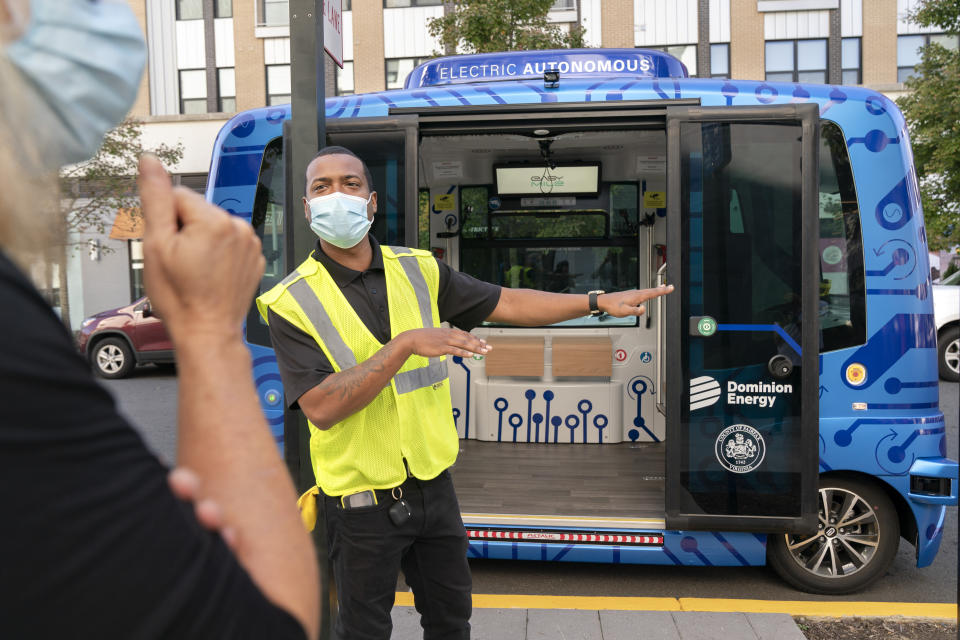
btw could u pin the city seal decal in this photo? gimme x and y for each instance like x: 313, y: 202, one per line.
x: 740, y: 448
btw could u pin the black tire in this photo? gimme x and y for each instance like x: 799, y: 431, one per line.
x: 112, y: 358
x: 843, y: 561
x: 948, y: 353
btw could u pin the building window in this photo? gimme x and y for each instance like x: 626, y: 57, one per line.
x: 345, y: 79
x: 137, y: 290
x: 850, y: 61
x: 193, y: 91
x: 393, y: 4
x: 278, y: 84
x: 226, y: 90
x: 908, y: 51
x: 223, y: 9
x: 399, y: 68
x: 720, y: 60
x: 796, y: 61
x: 189, y: 9
x: 564, y: 5
x: 274, y: 13
x: 685, y: 53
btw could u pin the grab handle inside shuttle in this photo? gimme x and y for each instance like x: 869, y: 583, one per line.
x: 661, y: 278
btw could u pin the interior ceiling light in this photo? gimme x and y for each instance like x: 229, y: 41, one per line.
x: 541, y: 132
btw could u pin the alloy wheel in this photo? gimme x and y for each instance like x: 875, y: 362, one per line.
x: 951, y: 355
x: 848, y: 534
x: 110, y: 358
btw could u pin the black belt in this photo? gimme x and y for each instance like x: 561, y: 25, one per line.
x: 372, y: 497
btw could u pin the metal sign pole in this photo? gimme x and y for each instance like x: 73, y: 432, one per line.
x: 303, y: 135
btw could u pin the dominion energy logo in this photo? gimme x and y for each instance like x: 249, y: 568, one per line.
x: 740, y: 448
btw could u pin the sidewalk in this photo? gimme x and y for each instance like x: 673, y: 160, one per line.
x: 565, y: 624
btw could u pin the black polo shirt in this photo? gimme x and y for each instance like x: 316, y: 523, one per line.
x: 462, y: 300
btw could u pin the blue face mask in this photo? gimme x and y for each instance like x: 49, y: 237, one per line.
x: 82, y: 61
x: 340, y: 219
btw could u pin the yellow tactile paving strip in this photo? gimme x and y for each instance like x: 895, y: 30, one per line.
x: 813, y: 608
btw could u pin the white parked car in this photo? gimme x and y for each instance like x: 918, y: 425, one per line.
x: 946, y: 310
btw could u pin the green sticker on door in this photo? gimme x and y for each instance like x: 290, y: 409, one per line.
x: 707, y: 326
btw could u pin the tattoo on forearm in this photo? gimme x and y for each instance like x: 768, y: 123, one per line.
x: 346, y: 383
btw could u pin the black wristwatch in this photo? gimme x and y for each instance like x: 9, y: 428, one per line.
x: 594, y: 307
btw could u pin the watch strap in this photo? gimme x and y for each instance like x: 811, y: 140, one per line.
x: 594, y: 306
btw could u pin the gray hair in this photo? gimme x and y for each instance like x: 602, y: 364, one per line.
x: 30, y: 218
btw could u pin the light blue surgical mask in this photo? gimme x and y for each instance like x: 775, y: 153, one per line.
x: 82, y: 61
x: 340, y: 219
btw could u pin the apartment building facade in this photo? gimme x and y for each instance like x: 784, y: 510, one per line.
x: 208, y: 59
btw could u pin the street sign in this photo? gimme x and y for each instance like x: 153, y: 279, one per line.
x: 333, y: 30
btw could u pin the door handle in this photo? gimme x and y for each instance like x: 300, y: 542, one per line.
x: 780, y: 366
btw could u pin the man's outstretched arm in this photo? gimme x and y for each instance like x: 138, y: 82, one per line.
x: 531, y: 308
x: 202, y: 267
x: 342, y: 394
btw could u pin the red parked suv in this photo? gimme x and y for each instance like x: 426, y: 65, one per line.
x: 115, y: 341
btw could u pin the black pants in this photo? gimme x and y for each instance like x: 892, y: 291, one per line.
x: 367, y: 551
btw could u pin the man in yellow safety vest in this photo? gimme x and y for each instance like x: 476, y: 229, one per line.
x: 356, y: 329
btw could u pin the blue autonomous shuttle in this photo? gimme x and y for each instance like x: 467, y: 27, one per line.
x: 780, y: 407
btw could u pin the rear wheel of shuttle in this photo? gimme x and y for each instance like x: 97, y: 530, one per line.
x: 948, y: 352
x: 857, y: 536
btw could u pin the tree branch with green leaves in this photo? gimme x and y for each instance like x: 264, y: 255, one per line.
x: 486, y: 26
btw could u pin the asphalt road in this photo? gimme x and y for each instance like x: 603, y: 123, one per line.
x: 149, y: 400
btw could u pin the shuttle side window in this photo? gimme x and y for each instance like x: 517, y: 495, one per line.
x: 842, y: 310
x: 267, y: 221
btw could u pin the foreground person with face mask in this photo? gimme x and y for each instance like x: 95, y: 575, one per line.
x: 94, y: 542
x: 356, y: 329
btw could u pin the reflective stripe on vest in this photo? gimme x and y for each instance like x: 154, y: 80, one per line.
x: 412, y: 268
x: 433, y: 373
x: 436, y: 371
x: 307, y: 298
x: 406, y: 381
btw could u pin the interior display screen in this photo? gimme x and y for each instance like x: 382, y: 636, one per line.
x: 579, y: 179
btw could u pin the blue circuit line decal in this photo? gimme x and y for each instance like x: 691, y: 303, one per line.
x: 894, y: 385
x: 584, y: 407
x: 904, y: 331
x: 800, y: 95
x: 837, y: 97
x: 729, y: 92
x: 639, y: 386
x: 500, y: 405
x: 729, y: 547
x: 515, y: 420
x: 529, y: 394
x: 894, y: 210
x: 875, y: 141
x: 493, y: 94
x: 843, y: 437
x: 902, y: 405
x: 763, y: 327
x: 548, y: 397
x: 901, y: 256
